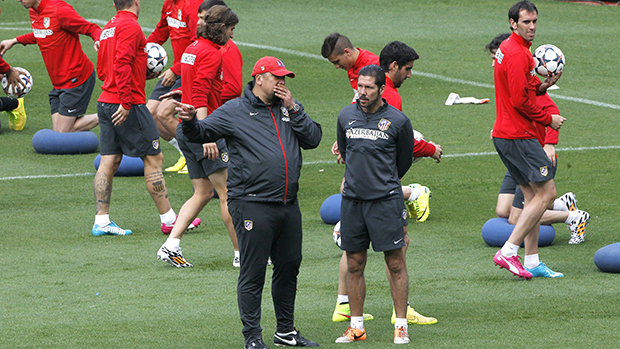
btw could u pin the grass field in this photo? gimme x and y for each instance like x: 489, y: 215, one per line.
x: 63, y: 288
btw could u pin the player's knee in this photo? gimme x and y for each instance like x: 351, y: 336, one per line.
x: 502, y: 212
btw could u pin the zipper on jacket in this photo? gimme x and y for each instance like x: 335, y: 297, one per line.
x: 283, y: 153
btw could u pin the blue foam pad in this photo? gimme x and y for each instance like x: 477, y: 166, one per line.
x: 48, y: 141
x: 129, y: 166
x: 607, y: 258
x: 330, y: 209
x: 496, y: 231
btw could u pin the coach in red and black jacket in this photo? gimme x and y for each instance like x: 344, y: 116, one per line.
x: 265, y: 130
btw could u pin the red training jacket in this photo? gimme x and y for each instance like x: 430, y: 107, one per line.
x: 55, y: 28
x: 201, y: 72
x: 232, y: 68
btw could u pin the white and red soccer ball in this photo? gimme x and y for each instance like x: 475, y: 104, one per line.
x: 549, y: 59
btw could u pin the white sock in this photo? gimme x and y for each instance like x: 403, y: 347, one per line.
x: 102, y: 220
x: 572, y: 215
x: 559, y: 205
x: 169, y: 217
x: 509, y: 249
x: 172, y: 244
x: 175, y: 144
x: 357, y: 322
x: 343, y: 298
x: 531, y: 261
x: 236, y: 254
x: 400, y: 322
x: 415, y: 194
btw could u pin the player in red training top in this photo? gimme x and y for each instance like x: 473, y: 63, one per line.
x: 201, y: 70
x: 177, y: 23
x: 13, y: 107
x: 514, y: 137
x: 510, y: 199
x: 126, y: 125
x: 56, y: 28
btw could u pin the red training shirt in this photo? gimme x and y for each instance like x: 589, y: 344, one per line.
x: 4, y: 66
x: 201, y: 72
x: 121, y: 62
x: 363, y: 59
x: 516, y: 88
x: 55, y: 28
x: 232, y: 68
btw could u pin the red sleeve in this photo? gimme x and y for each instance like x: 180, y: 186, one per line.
x: 127, y: 42
x: 207, y: 67
x: 423, y: 149
x: 4, y: 66
x: 546, y: 103
x: 27, y: 39
x: 162, y: 31
x: 232, y: 68
x: 519, y: 89
x: 72, y: 22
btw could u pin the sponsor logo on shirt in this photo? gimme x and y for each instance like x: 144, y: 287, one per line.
x: 107, y: 33
x: 499, y: 56
x: 42, y: 33
x: 365, y: 133
x: 188, y: 58
x: 384, y: 124
x: 175, y: 23
x: 46, y: 22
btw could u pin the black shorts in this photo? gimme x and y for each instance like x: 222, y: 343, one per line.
x: 160, y: 90
x: 72, y: 101
x: 525, y: 159
x: 197, y: 165
x: 379, y: 222
x: 509, y: 184
x: 137, y: 136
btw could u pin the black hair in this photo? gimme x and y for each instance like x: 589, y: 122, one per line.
x: 396, y: 51
x: 375, y: 71
x: 514, y: 11
x: 335, y: 43
x: 494, y: 44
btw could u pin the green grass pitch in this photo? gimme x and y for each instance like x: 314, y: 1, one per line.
x: 63, y: 288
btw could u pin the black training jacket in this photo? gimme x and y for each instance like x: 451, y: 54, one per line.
x: 264, y: 144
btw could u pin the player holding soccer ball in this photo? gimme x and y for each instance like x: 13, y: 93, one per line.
x: 510, y: 199
x: 56, y: 28
x: 13, y: 107
x: 514, y: 135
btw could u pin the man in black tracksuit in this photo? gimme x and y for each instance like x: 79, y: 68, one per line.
x: 264, y: 130
x: 376, y: 142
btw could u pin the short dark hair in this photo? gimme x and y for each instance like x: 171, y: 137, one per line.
x: 396, y: 51
x: 123, y: 4
x: 514, y: 11
x: 494, y: 44
x: 214, y: 18
x: 210, y: 3
x: 375, y: 71
x: 335, y: 43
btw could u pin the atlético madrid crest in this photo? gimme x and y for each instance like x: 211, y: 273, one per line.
x: 384, y: 124
x: 544, y: 171
x: 248, y: 225
x: 156, y: 144
x: 46, y: 22
x: 180, y: 15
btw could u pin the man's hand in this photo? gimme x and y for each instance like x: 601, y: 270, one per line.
x: 96, y: 46
x: 168, y: 78
x: 285, y: 95
x: 175, y: 94
x: 13, y: 79
x: 556, y: 122
x: 550, y: 150
x: 336, y: 152
x: 5, y: 45
x: 211, y: 151
x: 119, y: 117
x: 438, y: 152
x: 549, y: 81
x: 186, y: 112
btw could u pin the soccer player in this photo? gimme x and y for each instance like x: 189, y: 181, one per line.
x: 201, y: 68
x: 13, y: 107
x: 376, y: 142
x: 514, y: 137
x: 339, y: 51
x: 510, y: 199
x: 265, y: 130
x: 126, y: 125
x: 56, y: 28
